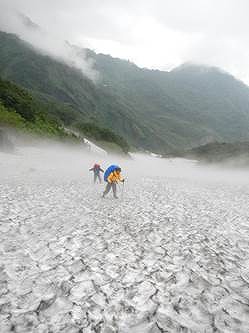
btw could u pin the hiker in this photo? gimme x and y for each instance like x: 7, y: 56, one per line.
x: 96, y: 172
x: 112, y: 176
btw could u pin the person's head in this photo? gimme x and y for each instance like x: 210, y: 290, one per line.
x: 118, y: 170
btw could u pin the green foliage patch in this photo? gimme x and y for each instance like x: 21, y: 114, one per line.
x: 103, y: 134
x: 18, y: 108
x: 10, y: 118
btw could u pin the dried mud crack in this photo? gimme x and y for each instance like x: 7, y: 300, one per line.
x: 171, y: 256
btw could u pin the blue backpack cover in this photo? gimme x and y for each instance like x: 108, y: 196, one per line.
x: 110, y: 169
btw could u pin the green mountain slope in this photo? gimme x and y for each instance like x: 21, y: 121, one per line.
x: 54, y: 81
x: 236, y: 153
x: 21, y: 110
x: 188, y: 106
x: 153, y: 110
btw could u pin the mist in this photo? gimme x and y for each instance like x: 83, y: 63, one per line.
x: 73, y: 160
x: 161, y: 36
x: 46, y: 41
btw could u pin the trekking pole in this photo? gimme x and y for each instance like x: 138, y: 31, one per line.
x: 122, y: 194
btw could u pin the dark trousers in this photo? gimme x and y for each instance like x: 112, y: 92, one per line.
x: 108, y: 188
x: 97, y: 175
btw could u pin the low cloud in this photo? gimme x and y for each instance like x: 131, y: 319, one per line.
x: 156, y: 34
x: 46, y: 41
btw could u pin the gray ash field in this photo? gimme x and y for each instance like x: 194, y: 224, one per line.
x: 172, y: 255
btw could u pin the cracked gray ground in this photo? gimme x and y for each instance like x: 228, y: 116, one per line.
x: 171, y: 256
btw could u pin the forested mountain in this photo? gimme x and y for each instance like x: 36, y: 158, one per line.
x: 53, y: 81
x: 19, y: 109
x: 188, y: 106
x: 153, y: 110
x: 236, y: 153
x: 23, y: 111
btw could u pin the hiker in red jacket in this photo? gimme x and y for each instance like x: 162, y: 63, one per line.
x: 96, y: 172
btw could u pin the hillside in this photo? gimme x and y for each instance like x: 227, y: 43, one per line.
x: 153, y: 110
x: 21, y: 110
x: 188, y: 106
x: 219, y: 152
x: 53, y: 81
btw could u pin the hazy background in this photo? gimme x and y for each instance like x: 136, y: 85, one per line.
x: 47, y: 160
x: 155, y: 34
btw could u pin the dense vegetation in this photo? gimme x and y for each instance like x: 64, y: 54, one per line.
x: 186, y: 107
x: 153, y: 110
x: 217, y: 152
x: 19, y: 109
x: 102, y: 134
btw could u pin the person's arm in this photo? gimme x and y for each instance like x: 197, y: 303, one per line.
x: 91, y: 169
x: 119, y: 177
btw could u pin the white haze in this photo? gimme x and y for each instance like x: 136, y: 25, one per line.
x: 159, y: 34
x: 46, y: 41
x: 73, y: 160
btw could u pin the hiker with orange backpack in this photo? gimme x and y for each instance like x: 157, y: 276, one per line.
x: 112, y: 176
x: 96, y: 172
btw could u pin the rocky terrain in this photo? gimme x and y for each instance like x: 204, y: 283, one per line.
x: 171, y: 255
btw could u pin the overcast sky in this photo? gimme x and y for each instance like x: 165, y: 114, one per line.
x: 158, y: 34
